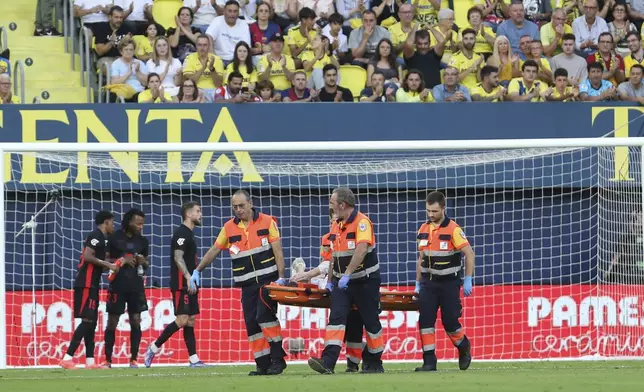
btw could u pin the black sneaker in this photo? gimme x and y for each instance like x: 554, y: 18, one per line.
x: 276, y: 368
x: 38, y: 32
x: 318, y: 365
x: 51, y: 32
x: 258, y: 372
x: 372, y: 369
x: 464, y: 355
x: 352, y: 367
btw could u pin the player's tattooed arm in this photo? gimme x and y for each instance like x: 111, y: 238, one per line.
x: 89, y: 255
x: 181, y: 263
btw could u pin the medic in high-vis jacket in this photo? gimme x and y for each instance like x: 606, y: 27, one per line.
x: 253, y: 241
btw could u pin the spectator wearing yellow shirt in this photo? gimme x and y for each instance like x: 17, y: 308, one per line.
x: 155, y: 92
x: 204, y: 68
x: 299, y: 38
x: 535, y: 52
x: 505, y: 60
x: 275, y: 65
x: 563, y: 92
x: 449, y: 36
x: 552, y: 33
x: 489, y: 89
x: 527, y: 88
x: 399, y: 31
x: 637, y: 54
x: 485, y: 36
x: 413, y: 89
x: 5, y: 91
x: 466, y: 61
x: 243, y: 63
x: 316, y: 60
x: 145, y: 42
x: 426, y: 12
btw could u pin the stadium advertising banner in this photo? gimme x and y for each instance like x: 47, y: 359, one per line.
x: 538, y: 322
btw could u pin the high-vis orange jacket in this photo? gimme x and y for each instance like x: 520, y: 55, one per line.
x: 345, y: 237
x: 441, y: 251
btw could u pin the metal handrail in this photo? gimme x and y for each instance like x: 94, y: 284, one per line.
x: 100, y: 82
x: 4, y: 42
x: 72, y: 34
x: 85, y: 38
x: 120, y: 99
x: 66, y: 25
x: 36, y: 100
x: 19, y: 67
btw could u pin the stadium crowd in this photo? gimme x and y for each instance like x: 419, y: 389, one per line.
x: 371, y: 50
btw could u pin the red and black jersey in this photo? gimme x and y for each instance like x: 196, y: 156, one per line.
x: 120, y: 244
x: 183, y: 239
x: 89, y: 275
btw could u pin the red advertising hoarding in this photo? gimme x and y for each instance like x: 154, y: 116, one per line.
x: 503, y: 322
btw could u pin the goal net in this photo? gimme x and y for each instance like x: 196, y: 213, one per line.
x: 557, y: 233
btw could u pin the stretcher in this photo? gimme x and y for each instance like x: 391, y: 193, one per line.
x: 311, y: 296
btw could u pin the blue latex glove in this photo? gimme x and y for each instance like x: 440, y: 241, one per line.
x: 467, y: 286
x: 192, y: 285
x: 417, y: 289
x: 329, y: 286
x: 281, y: 281
x: 196, y: 275
x: 344, y: 282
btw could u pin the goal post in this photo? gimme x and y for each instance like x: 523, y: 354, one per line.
x: 555, y: 225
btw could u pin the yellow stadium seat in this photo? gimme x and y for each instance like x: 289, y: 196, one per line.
x: 280, y: 82
x: 164, y: 12
x: 354, y: 78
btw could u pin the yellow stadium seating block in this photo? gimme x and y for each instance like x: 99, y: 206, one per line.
x: 354, y: 78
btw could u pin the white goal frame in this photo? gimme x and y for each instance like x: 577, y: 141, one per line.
x: 267, y: 147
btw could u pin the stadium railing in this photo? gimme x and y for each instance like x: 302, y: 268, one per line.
x: 19, y: 74
x: 84, y: 40
x: 4, y: 39
x: 108, y: 75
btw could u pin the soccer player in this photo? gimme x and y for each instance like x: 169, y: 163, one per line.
x: 131, y: 248
x: 86, y: 289
x: 254, y: 244
x: 440, y: 243
x: 183, y: 260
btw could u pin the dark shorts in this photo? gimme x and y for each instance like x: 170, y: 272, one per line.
x: 185, y: 303
x: 136, y: 302
x: 86, y: 303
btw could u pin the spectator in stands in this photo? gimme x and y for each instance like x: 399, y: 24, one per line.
x: 595, y: 88
x: 91, y: 12
x: 612, y: 63
x: 537, y: 11
x: 204, y: 12
x: 445, y: 30
x: 267, y: 92
x: 315, y: 61
x: 129, y: 70
x: 243, y: 64
x: 299, y: 92
x: 493, y: 12
x: 331, y: 92
x: 619, y: 27
x: 466, y: 61
x: 338, y: 40
x: 553, y: 32
x: 227, y: 30
x: 377, y: 92
x: 284, y: 12
x: 139, y: 15
x: 5, y: 66
x: 155, y: 93
x: 189, y: 93
x: 247, y: 9
x: 637, y: 54
x: 5, y: 90
x: 426, y: 12
x: 535, y: 53
x: 489, y: 90
x: 385, y: 61
x: 528, y: 88
x: 204, y: 68
x: 44, y: 16
x: 275, y: 63
x: 636, y: 12
x: 364, y: 40
x: 413, y: 88
x: 516, y: 27
x: 183, y: 38
x: 108, y: 37
x: 401, y: 30
x: 568, y: 60
x: 351, y: 11
x: 451, y: 90
x: 424, y: 59
x: 505, y: 60
x: 485, y: 36
x: 145, y: 43
x: 387, y: 11
x: 562, y: 90
x: 233, y: 92
x: 524, y: 46
x: 322, y: 8
x: 633, y: 89
x: 587, y: 29
x: 167, y: 67
x: 262, y: 31
x: 299, y: 38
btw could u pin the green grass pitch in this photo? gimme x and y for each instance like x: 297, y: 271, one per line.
x: 583, y: 376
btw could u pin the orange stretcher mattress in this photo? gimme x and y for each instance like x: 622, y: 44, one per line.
x: 309, y: 295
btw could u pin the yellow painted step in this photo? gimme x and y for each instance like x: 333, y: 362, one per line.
x: 60, y: 95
